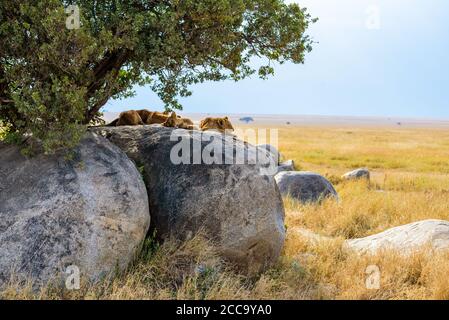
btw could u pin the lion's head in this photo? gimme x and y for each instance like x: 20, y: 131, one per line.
x: 220, y: 124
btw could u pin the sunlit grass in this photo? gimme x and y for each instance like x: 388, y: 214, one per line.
x: 418, y: 150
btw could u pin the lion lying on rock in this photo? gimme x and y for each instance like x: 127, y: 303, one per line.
x: 219, y: 124
x: 145, y: 115
x: 127, y: 118
x: 175, y: 121
x: 157, y: 117
x: 139, y: 117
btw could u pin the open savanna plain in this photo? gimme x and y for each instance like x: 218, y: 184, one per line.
x: 409, y: 182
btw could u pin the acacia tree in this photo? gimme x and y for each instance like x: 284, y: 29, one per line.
x: 54, y: 79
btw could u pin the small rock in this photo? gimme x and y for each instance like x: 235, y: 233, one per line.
x: 361, y: 173
x: 305, y: 186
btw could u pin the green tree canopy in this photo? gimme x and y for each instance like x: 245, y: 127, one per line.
x: 55, y: 76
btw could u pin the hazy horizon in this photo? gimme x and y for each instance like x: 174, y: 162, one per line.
x: 373, y: 58
x: 159, y: 107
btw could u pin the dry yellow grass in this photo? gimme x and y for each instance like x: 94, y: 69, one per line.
x: 410, y: 182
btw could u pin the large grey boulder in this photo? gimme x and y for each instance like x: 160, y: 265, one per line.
x: 307, y: 187
x: 234, y: 203
x: 406, y: 238
x: 362, y: 173
x: 90, y: 213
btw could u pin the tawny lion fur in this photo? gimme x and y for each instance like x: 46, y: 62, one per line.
x: 220, y: 124
x: 175, y: 121
x: 157, y: 117
x: 139, y: 117
x: 144, y: 115
x: 129, y: 118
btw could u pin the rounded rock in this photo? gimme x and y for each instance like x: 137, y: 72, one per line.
x: 307, y: 187
x: 361, y: 173
x: 90, y: 213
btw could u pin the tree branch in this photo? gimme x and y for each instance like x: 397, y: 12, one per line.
x: 111, y: 63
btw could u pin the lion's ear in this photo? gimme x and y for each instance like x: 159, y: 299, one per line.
x: 226, y: 118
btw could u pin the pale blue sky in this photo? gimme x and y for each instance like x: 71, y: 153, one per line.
x: 397, y: 65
